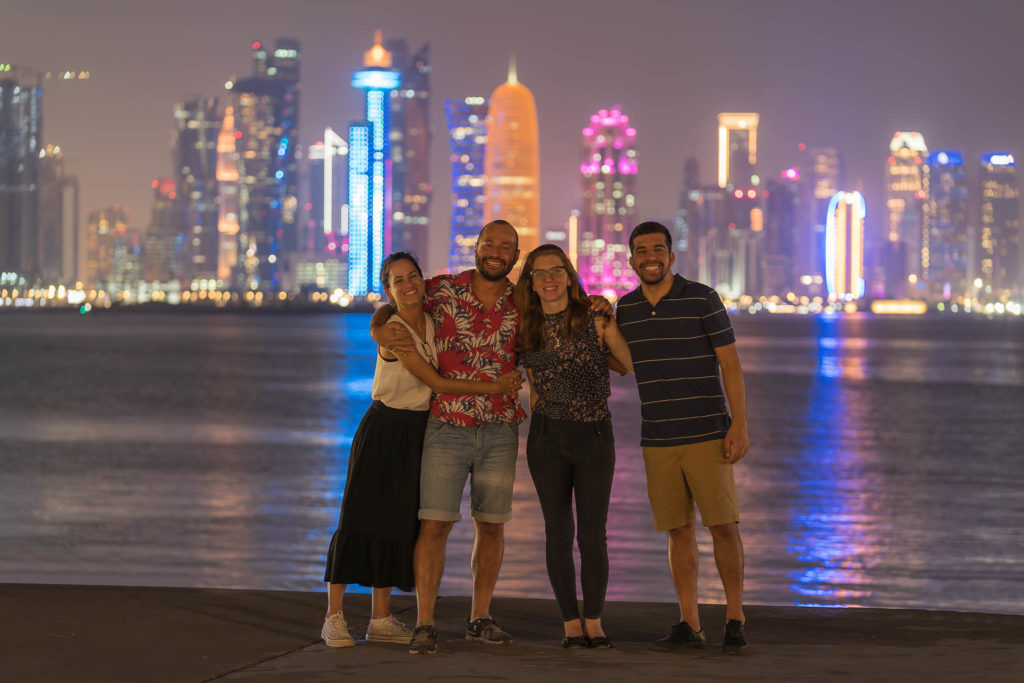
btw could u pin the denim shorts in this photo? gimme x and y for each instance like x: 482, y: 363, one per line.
x: 486, y: 453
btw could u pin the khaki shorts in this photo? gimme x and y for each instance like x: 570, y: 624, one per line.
x: 679, y: 476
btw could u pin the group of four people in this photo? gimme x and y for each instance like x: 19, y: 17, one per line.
x: 446, y: 408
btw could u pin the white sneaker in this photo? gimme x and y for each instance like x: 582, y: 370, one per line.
x: 335, y: 632
x: 388, y: 630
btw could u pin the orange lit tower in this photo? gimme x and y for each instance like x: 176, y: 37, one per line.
x: 227, y: 179
x: 512, y: 161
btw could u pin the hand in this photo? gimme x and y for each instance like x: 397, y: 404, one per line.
x: 394, y: 337
x: 601, y: 305
x: 509, y: 383
x: 736, y: 443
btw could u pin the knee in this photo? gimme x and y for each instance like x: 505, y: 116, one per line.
x: 490, y: 531
x: 681, y: 533
x: 725, y: 532
x: 431, y: 529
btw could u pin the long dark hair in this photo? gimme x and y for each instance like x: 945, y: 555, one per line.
x: 531, y: 316
x: 385, y: 267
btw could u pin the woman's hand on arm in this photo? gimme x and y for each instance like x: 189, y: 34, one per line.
x: 609, y: 333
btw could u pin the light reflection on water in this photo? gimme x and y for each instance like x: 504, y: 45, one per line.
x: 211, y: 451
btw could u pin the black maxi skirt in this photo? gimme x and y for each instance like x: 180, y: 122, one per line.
x: 377, y: 530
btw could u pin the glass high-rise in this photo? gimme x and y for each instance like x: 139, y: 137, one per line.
x: 266, y: 107
x: 944, y: 238
x: 57, y: 218
x: 513, y: 161
x: 998, y: 247
x: 608, y: 170
x: 466, y: 120
x: 369, y: 172
x: 197, y: 125
x: 904, y: 212
x: 20, y: 143
x: 844, y: 246
x: 737, y: 150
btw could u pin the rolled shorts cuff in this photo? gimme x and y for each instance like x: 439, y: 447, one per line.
x: 440, y: 516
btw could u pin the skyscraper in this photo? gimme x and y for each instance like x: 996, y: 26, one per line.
x: 512, y: 163
x: 410, y: 150
x: 784, y: 229
x: 110, y: 244
x: 57, y: 218
x: 227, y: 185
x: 467, y: 144
x: 999, y: 253
x: 369, y: 172
x: 844, y: 246
x: 944, y: 239
x: 197, y: 123
x: 608, y: 169
x: 327, y: 227
x: 266, y: 108
x: 904, y: 205
x: 164, y: 241
x: 737, y: 150
x: 20, y: 143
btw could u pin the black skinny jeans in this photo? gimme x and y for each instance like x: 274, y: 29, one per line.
x: 567, y: 457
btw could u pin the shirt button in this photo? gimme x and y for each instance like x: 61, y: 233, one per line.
x: 654, y: 313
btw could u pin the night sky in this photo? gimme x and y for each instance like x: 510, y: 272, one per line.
x: 840, y: 74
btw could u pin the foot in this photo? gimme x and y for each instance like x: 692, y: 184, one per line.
x: 599, y: 642
x: 387, y: 630
x: 335, y: 631
x: 574, y: 641
x: 424, y: 641
x: 487, y: 630
x: 735, y: 637
x: 681, y: 637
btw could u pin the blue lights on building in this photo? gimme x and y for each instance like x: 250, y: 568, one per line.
x: 369, y: 185
x: 467, y: 141
x: 946, y: 157
x: 998, y: 159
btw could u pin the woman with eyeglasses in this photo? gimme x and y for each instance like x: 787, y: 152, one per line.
x: 373, y: 545
x: 570, y: 448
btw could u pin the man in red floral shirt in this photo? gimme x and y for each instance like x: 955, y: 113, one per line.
x: 475, y: 321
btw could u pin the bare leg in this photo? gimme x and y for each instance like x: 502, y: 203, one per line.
x: 594, y: 628
x: 381, y: 605
x: 488, y: 549
x: 428, y: 565
x: 335, y: 595
x: 729, y: 559
x: 573, y: 628
x: 682, y: 563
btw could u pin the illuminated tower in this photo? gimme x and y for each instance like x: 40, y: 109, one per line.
x: 823, y: 169
x: 58, y: 218
x: 164, y: 241
x: 737, y: 150
x: 512, y: 163
x: 369, y: 173
x: 999, y: 244
x: 944, y: 241
x: 410, y: 150
x: 467, y: 144
x: 197, y: 123
x: 266, y: 120
x: 20, y: 131
x: 227, y: 180
x: 609, y: 172
x: 844, y: 246
x: 328, y: 222
x: 904, y: 207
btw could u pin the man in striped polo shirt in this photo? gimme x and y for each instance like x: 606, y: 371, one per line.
x: 679, y: 335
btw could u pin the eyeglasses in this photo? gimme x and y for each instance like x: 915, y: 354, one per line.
x: 555, y: 273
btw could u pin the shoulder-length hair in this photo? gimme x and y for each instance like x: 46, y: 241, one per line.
x: 531, y: 316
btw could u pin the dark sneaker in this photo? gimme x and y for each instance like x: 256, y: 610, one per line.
x: 487, y: 630
x: 681, y: 637
x: 424, y: 641
x: 735, y: 638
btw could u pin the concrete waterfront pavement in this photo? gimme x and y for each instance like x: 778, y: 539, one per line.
x: 112, y: 634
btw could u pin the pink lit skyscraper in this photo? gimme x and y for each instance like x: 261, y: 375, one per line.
x: 609, y: 172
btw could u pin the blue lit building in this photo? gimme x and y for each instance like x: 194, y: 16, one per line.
x: 998, y: 244
x: 467, y: 143
x: 944, y: 242
x: 369, y: 173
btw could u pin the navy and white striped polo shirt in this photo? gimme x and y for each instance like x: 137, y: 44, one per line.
x: 672, y: 344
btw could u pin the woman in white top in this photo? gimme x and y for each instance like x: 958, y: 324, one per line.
x: 376, y: 534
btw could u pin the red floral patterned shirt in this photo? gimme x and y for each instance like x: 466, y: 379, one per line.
x: 475, y: 344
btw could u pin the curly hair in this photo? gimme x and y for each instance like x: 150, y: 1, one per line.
x: 531, y: 316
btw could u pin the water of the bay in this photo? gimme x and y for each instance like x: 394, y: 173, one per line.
x: 192, y: 449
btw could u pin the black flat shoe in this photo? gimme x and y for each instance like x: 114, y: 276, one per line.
x: 574, y: 641
x: 601, y: 642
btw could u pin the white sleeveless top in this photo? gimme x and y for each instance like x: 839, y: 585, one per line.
x: 395, y: 386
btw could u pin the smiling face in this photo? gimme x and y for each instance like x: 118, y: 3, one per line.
x: 497, y: 250
x: 405, y: 283
x: 550, y: 279
x: 652, y: 259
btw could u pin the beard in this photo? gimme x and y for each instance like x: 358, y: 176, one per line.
x: 491, y: 275
x: 652, y: 279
